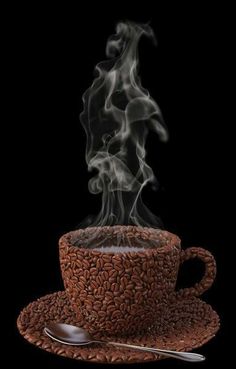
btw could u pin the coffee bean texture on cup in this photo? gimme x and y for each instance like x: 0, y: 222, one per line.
x: 124, y: 292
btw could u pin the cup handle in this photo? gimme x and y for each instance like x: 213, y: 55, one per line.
x: 210, y: 271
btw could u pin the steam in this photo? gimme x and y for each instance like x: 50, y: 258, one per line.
x: 118, y: 112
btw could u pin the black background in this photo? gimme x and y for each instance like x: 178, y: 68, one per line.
x: 51, y: 56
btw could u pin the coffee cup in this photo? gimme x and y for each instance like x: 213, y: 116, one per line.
x: 121, y: 290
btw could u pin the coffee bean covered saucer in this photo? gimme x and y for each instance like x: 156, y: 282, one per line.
x: 185, y: 325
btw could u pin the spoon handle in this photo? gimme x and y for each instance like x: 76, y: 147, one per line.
x: 186, y: 356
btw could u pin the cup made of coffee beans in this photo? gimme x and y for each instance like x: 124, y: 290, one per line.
x: 119, y: 279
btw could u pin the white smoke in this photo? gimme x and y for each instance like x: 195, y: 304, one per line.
x: 118, y: 112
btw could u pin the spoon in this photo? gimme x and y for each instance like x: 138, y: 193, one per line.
x: 75, y: 336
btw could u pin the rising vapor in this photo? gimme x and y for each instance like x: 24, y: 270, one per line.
x: 118, y: 112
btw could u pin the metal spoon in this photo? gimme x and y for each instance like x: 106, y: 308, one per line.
x: 71, y: 335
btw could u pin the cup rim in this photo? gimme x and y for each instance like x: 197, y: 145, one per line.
x: 173, y: 241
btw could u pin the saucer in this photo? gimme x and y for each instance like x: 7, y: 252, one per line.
x: 186, y: 324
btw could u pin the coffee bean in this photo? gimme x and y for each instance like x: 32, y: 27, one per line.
x: 114, y: 287
x: 93, y: 284
x: 112, y: 280
x: 108, y: 266
x: 116, y: 314
x: 105, y: 275
x: 86, y: 274
x: 82, y: 279
x: 118, y: 301
x: 101, y: 291
x: 101, y: 313
x: 99, y: 264
x: 107, y: 285
x: 81, y: 272
x: 130, y: 286
x: 88, y: 303
x: 90, y: 298
x: 136, y: 270
x: 135, y: 279
x: 116, y: 293
x: 99, y: 280
x: 74, y: 279
x: 93, y: 271
x: 128, y: 294
x: 124, y: 281
x: 79, y: 263
x: 138, y: 297
x: 109, y: 294
x: 118, y: 267
x: 126, y: 264
x: 145, y: 266
x: 85, y: 264
x: 111, y: 308
x: 112, y: 273
x: 106, y: 258
x: 81, y: 285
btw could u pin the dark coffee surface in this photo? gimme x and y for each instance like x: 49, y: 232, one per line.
x: 119, y: 236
